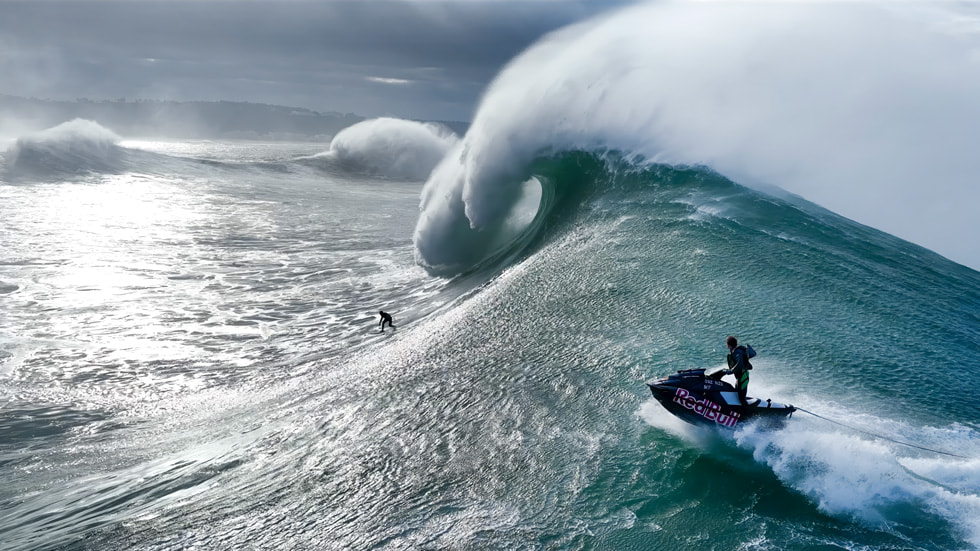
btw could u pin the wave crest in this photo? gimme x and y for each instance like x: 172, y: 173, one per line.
x: 392, y: 148
x: 74, y: 147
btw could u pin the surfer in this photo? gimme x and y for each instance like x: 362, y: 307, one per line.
x: 385, y: 318
x: 738, y: 365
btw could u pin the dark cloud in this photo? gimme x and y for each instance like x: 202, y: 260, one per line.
x: 427, y: 59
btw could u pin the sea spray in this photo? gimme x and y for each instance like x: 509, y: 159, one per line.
x: 872, y: 480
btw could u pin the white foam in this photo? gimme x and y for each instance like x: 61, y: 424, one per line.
x: 855, y: 475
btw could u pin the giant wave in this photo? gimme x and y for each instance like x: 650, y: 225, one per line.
x: 867, y: 109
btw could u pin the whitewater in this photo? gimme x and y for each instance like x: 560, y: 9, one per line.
x: 190, y: 355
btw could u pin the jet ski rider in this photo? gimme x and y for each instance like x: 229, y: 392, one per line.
x: 738, y: 363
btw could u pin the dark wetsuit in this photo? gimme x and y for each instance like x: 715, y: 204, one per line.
x: 738, y: 361
x: 385, y: 318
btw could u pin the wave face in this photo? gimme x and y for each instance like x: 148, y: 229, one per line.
x: 638, y: 268
x: 392, y: 148
x: 639, y: 272
x: 71, y: 148
x: 865, y: 109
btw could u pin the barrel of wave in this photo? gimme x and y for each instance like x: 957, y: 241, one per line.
x: 449, y: 243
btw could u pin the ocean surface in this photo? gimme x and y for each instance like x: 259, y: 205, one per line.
x: 190, y: 359
x: 190, y: 355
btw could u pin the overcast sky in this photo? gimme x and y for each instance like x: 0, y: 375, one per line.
x: 419, y: 59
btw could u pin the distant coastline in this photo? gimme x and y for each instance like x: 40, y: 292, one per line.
x: 184, y: 119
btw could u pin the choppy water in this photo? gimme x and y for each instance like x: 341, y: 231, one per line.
x: 189, y: 358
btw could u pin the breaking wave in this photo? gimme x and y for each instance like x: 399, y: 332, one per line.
x: 71, y: 148
x: 391, y: 148
x: 867, y: 109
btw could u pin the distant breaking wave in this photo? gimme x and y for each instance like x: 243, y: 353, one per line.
x: 74, y: 147
x: 391, y: 148
x: 867, y: 109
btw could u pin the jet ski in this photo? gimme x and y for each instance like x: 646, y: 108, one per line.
x: 703, y: 399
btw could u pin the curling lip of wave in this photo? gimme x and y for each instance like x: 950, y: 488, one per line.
x: 852, y: 106
x: 392, y: 148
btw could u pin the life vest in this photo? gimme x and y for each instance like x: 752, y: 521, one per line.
x: 747, y: 353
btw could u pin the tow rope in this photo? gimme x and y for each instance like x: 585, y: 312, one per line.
x: 881, y: 436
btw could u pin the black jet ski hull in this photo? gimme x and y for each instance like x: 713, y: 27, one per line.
x: 707, y: 400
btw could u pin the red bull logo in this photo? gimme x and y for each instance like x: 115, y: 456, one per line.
x: 705, y: 408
